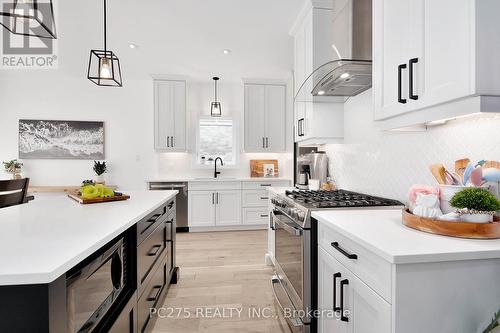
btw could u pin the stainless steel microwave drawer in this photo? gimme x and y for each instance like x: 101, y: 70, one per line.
x: 151, y: 250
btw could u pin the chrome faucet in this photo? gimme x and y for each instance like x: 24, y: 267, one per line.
x: 216, y: 173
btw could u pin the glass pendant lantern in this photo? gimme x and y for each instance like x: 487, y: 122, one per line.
x: 104, y: 65
x: 31, y: 18
x: 216, y: 108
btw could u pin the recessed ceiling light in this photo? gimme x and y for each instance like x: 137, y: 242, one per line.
x: 226, y: 51
x: 133, y: 46
x: 321, y: 92
x: 344, y: 76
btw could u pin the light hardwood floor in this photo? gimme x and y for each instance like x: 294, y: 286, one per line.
x: 224, y: 271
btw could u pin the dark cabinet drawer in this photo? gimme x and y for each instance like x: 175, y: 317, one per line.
x: 153, y: 294
x: 148, y: 224
x: 149, y: 252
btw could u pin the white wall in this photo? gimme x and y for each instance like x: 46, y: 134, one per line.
x: 128, y: 116
x: 388, y: 163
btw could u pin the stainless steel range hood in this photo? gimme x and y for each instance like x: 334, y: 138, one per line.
x: 350, y: 71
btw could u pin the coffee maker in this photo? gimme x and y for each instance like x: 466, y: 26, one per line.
x: 310, y: 164
x: 319, y: 166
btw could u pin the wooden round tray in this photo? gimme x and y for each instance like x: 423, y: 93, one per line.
x: 453, y: 229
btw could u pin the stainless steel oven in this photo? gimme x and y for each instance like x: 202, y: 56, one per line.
x: 94, y: 286
x: 292, y: 279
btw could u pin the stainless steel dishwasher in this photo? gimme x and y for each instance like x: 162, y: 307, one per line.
x: 181, y: 201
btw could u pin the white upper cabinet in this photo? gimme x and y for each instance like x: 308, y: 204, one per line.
x: 317, y: 119
x: 170, y: 115
x: 265, y: 118
x: 430, y: 53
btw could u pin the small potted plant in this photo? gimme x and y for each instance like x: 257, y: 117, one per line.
x: 100, y: 169
x: 476, y: 205
x: 494, y: 327
x: 14, y: 167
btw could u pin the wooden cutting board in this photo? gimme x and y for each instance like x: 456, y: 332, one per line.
x: 78, y: 198
x: 257, y: 167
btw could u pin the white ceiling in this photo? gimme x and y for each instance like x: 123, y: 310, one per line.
x: 182, y: 37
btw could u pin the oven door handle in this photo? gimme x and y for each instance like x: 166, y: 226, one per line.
x: 288, y: 228
x: 295, y: 322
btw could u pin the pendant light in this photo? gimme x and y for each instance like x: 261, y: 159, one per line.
x: 31, y: 18
x: 216, y: 109
x: 104, y: 65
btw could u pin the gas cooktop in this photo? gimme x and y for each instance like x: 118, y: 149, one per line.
x: 338, y: 199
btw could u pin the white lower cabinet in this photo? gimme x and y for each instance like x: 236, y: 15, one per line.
x: 228, y: 208
x: 357, y: 308
x: 230, y: 204
x: 214, y: 208
x: 201, y: 208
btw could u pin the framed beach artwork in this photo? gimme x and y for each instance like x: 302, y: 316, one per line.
x: 60, y: 139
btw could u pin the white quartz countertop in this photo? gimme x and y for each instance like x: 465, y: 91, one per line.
x: 219, y: 179
x: 383, y: 232
x: 43, y: 239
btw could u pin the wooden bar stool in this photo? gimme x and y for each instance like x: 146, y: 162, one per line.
x: 13, y: 192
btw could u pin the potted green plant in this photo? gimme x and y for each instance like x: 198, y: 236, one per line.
x: 100, y: 169
x: 14, y: 167
x: 494, y: 327
x: 476, y: 205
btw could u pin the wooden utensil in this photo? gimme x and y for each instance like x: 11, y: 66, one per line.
x: 460, y: 166
x: 439, y: 172
x: 492, y: 164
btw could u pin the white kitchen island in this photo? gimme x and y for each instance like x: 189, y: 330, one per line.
x: 388, y: 278
x: 56, y: 254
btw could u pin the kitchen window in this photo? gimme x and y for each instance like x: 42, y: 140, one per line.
x: 216, y: 138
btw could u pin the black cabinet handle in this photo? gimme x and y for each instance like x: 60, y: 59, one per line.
x: 301, y: 127
x: 342, y: 284
x: 213, y: 198
x: 264, y: 198
x: 263, y: 142
x: 335, y: 277
x: 411, y: 64
x: 154, y: 218
x: 116, y: 271
x: 154, y: 251
x: 337, y: 247
x: 266, y: 185
x: 168, y: 141
x: 170, y: 205
x: 264, y: 215
x: 400, y: 88
x: 156, y: 295
x: 267, y: 142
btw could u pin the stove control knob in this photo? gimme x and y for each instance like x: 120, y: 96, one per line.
x: 301, y: 215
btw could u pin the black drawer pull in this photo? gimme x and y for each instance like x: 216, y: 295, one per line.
x: 154, y: 250
x: 154, y: 218
x: 156, y: 295
x: 264, y: 215
x: 264, y: 198
x: 400, y: 88
x: 335, y: 277
x: 266, y: 185
x: 337, y: 247
x: 342, y: 284
x: 411, y: 64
